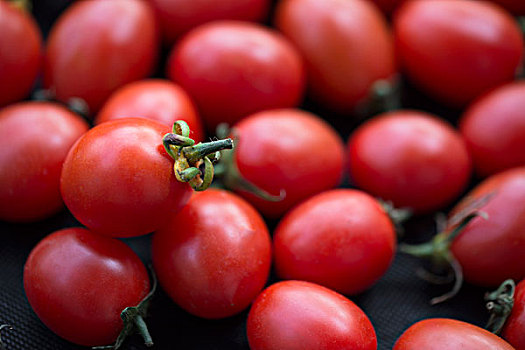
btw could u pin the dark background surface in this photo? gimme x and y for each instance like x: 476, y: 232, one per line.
x: 398, y: 300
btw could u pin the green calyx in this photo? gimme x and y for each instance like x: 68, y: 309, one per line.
x: 2, y: 327
x: 398, y: 216
x: 193, y: 162
x: 499, y: 304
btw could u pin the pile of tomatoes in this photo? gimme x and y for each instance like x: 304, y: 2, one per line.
x: 264, y: 157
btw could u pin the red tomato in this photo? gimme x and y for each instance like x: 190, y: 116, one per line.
x: 177, y: 17
x: 97, y: 46
x: 491, y: 250
x: 456, y: 50
x: 347, y: 47
x: 118, y: 179
x: 443, y: 333
x: 342, y: 239
x: 78, y: 283
x: 514, y: 329
x: 494, y: 129
x: 410, y: 158
x: 297, y: 315
x: 20, y: 56
x: 290, y: 150
x: 214, y: 257
x: 34, y: 140
x: 154, y: 99
x: 233, y: 69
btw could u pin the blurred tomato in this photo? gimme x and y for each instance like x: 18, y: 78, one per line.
x: 514, y: 329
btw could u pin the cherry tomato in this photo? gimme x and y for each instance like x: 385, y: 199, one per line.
x: 214, y: 257
x: 491, y: 250
x: 97, y: 46
x: 177, y: 17
x: 287, y: 150
x: 233, y: 69
x: 34, y: 140
x: 293, y: 315
x: 410, y: 158
x: 78, y: 283
x: 514, y: 329
x: 347, y: 47
x: 342, y: 239
x: 494, y: 129
x: 456, y: 50
x: 20, y: 53
x: 118, y: 179
x: 154, y: 99
x: 443, y: 333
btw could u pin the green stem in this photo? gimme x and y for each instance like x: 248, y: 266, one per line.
x: 499, y: 304
x: 201, y: 150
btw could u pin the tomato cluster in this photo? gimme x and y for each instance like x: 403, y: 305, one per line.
x: 262, y: 96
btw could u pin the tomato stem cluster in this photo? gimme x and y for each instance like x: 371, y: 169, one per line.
x: 499, y: 304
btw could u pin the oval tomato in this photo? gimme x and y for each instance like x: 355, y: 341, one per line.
x: 442, y: 333
x: 118, y: 179
x: 410, y: 158
x: 287, y: 151
x: 154, y: 99
x: 514, y: 329
x: 35, y: 138
x: 494, y: 129
x: 301, y: 315
x: 457, y: 50
x: 20, y: 56
x: 233, y: 69
x: 78, y: 283
x: 97, y: 46
x: 342, y: 239
x: 214, y: 257
x: 177, y: 17
x: 347, y: 47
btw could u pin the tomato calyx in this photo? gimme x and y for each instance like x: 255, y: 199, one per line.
x: 193, y: 163
x: 398, y: 216
x: 384, y: 96
x: 133, y: 318
x: 2, y: 327
x: 499, y: 304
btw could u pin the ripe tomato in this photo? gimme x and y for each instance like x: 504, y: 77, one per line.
x: 154, y: 99
x: 410, y: 158
x: 342, y: 239
x: 34, y: 140
x: 443, y: 333
x: 514, y: 329
x: 287, y: 150
x: 456, y: 50
x: 347, y: 47
x: 214, y: 257
x: 233, y: 69
x: 494, y: 129
x: 97, y: 46
x: 491, y: 250
x: 78, y: 283
x: 20, y: 56
x: 118, y: 179
x: 177, y: 17
x: 301, y: 315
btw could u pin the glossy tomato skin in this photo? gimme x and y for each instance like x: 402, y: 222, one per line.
x: 290, y: 150
x: 347, y: 47
x: 442, y: 333
x: 411, y: 158
x: 35, y: 138
x: 118, y: 179
x: 97, y: 46
x: 341, y: 239
x: 494, y: 128
x: 491, y: 251
x: 234, y: 68
x: 20, y: 53
x: 214, y: 257
x: 78, y: 283
x: 177, y: 17
x: 154, y: 99
x: 457, y: 50
x: 514, y: 329
x: 295, y: 315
